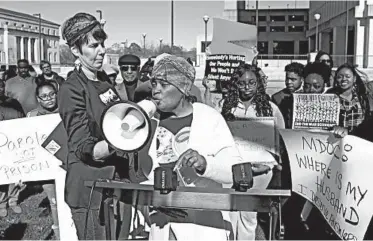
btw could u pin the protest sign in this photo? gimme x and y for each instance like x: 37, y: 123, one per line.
x: 241, y: 40
x: 319, y: 111
x: 254, y: 138
x: 20, y: 155
x: 220, y: 67
x: 334, y: 175
x: 22, y: 158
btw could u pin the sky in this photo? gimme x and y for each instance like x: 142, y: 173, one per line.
x: 128, y: 20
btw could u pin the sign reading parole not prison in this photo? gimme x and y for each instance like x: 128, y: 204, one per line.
x: 21, y: 155
x: 319, y: 111
x: 334, y: 175
x: 220, y: 67
x: 254, y: 137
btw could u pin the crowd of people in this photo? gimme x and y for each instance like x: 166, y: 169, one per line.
x: 181, y: 108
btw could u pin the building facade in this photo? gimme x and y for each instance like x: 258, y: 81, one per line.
x: 280, y: 31
x: 339, y: 29
x: 19, y: 39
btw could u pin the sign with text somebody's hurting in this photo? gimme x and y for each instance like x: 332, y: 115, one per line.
x: 220, y: 67
x: 21, y: 156
x: 335, y: 176
x: 320, y: 111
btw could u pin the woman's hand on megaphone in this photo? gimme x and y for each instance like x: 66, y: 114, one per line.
x: 101, y: 151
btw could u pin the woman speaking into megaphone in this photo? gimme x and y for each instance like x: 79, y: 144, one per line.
x: 187, y: 134
x: 82, y: 100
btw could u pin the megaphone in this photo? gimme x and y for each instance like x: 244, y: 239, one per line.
x: 126, y: 125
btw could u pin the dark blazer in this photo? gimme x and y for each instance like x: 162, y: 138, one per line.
x: 284, y: 100
x: 80, y: 108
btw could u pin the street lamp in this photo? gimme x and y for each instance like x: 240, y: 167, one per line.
x: 160, y: 44
x: 317, y: 16
x: 206, y: 19
x: 172, y: 25
x: 144, y: 36
x: 39, y: 15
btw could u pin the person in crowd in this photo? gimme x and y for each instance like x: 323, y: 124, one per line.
x: 325, y: 58
x: 293, y: 82
x: 210, y: 151
x: 47, y: 75
x: 11, y: 72
x: 246, y: 98
x: 315, y: 77
x: 82, y: 100
x: 20, y: 87
x: 354, y: 99
x: 46, y: 93
x: 111, y: 71
x: 129, y: 66
x: 146, y: 70
x: 144, y: 90
x: 9, y: 194
x: 215, y: 100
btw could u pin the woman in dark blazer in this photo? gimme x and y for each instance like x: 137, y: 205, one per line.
x: 82, y: 100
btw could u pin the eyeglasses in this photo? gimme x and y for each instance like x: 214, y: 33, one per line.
x: 47, y: 97
x: 45, y: 66
x: 243, y: 84
x: 326, y: 61
x: 126, y: 67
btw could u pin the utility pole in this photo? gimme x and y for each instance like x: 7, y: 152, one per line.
x: 172, y: 24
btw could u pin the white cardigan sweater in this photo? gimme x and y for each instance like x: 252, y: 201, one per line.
x: 211, y: 138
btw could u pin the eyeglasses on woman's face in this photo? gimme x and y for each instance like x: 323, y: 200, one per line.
x: 46, y: 97
x: 242, y: 84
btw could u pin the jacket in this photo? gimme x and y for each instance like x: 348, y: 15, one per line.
x: 213, y: 140
x: 10, y: 109
x: 56, y: 80
x: 81, y: 104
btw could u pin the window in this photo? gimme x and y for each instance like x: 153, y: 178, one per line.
x: 278, y: 29
x: 263, y: 47
x: 303, y: 47
x: 277, y: 18
x: 296, y: 28
x: 50, y: 57
x: 55, y: 57
x: 296, y: 18
x: 262, y: 18
x: 253, y: 19
x: 262, y: 29
x: 1, y: 39
x: 283, y: 47
x: 48, y: 31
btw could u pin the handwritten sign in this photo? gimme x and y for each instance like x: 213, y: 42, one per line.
x: 21, y: 154
x: 319, y: 111
x: 220, y: 67
x: 254, y: 137
x: 334, y: 175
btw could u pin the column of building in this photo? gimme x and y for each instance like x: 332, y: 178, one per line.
x: 6, y: 47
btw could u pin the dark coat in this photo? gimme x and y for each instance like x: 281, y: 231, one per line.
x: 284, y: 100
x: 80, y: 108
x: 56, y: 80
x: 10, y: 109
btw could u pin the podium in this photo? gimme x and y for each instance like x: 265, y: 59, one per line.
x: 212, y: 199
